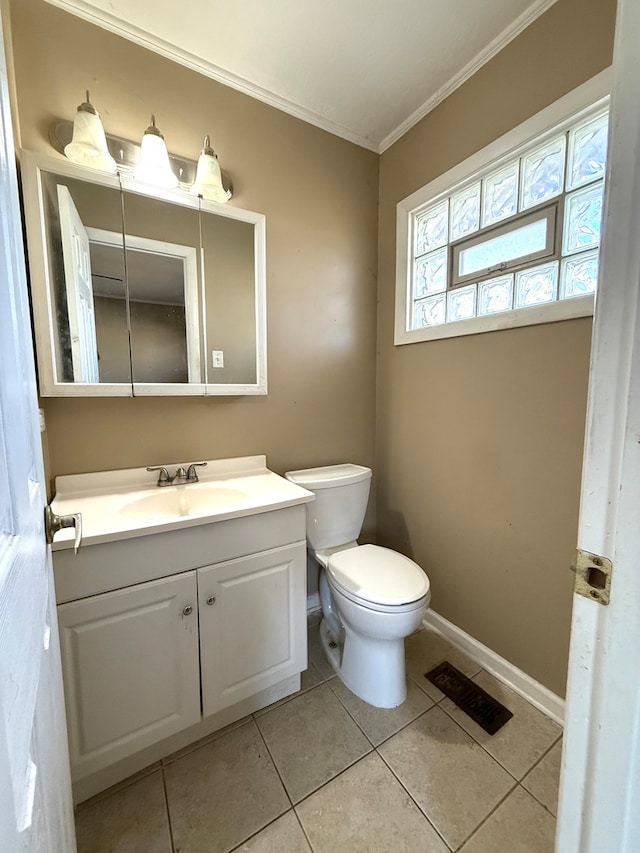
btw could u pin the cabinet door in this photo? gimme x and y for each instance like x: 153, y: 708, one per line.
x: 130, y: 664
x: 252, y: 624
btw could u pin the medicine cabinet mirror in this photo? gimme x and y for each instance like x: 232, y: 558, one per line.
x: 138, y: 291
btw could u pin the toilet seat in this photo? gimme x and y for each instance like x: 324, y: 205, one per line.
x: 377, y: 577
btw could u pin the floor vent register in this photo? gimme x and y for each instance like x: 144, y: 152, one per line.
x: 486, y: 711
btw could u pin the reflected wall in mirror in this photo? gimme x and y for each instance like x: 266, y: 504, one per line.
x: 162, y: 244
x: 161, y: 293
x: 135, y: 289
x: 229, y: 274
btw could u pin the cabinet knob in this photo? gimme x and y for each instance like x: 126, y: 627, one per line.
x: 211, y: 599
x: 188, y: 610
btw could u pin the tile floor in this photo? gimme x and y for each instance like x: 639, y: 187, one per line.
x: 322, y: 771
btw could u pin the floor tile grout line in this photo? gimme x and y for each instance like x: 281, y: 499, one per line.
x: 273, y: 761
x: 497, y: 760
x: 528, y: 773
x: 405, y: 726
x: 544, y: 754
x: 258, y: 831
x: 304, y: 831
x: 418, y: 684
x: 351, y: 764
x: 546, y: 808
x: 411, y: 797
x: 337, y: 775
x: 491, y: 813
x: 483, y: 748
x: 277, y: 817
x: 166, y: 805
x: 368, y: 739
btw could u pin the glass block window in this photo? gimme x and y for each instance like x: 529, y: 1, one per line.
x: 500, y: 194
x: 495, y: 295
x: 465, y: 211
x: 522, y: 233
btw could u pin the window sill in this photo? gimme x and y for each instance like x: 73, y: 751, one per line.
x: 567, y: 309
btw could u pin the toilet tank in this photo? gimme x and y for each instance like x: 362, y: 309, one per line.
x: 342, y: 491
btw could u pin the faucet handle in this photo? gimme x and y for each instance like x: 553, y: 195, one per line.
x: 192, y: 477
x: 163, y: 479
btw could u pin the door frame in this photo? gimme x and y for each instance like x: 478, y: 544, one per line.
x: 600, y: 778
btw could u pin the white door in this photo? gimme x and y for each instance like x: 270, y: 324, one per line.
x: 252, y: 624
x: 131, y: 669
x: 35, y: 790
x: 600, y: 786
x: 79, y: 287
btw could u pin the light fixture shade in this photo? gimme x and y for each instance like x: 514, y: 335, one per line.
x: 154, y: 166
x: 88, y: 146
x: 208, y: 182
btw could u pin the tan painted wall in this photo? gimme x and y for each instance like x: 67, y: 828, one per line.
x: 158, y: 341
x: 319, y: 194
x: 479, y: 442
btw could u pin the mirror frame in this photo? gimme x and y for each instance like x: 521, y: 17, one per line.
x: 32, y: 165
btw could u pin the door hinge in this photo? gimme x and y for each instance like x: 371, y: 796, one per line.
x: 593, y: 576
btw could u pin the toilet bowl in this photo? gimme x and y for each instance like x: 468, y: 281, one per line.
x: 371, y: 597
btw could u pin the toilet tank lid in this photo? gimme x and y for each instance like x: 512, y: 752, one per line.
x: 329, y: 476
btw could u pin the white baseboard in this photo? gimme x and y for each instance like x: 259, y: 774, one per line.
x: 530, y: 689
x: 313, y: 602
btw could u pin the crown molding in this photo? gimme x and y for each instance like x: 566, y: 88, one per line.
x: 105, y: 20
x: 486, y: 54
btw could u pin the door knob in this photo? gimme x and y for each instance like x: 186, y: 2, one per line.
x: 211, y: 599
x: 53, y: 523
x: 188, y: 610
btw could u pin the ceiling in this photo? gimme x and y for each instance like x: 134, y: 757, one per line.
x: 365, y: 70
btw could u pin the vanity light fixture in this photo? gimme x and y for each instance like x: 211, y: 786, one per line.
x: 88, y: 146
x: 208, y: 182
x: 129, y: 159
x: 154, y: 166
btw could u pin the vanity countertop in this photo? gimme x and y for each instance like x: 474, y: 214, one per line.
x: 127, y: 503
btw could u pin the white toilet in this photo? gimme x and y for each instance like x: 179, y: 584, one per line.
x: 371, y: 597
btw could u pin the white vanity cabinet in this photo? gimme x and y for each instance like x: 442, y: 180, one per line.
x: 130, y: 660
x: 168, y: 637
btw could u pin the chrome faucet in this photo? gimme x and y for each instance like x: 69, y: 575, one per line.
x: 181, y: 475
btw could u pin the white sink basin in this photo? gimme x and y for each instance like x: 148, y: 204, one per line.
x: 183, y: 501
x: 122, y: 504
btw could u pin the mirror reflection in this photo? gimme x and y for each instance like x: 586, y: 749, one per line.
x: 229, y: 274
x: 81, y: 340
x: 161, y: 256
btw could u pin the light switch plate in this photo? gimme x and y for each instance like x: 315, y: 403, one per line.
x: 217, y: 358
